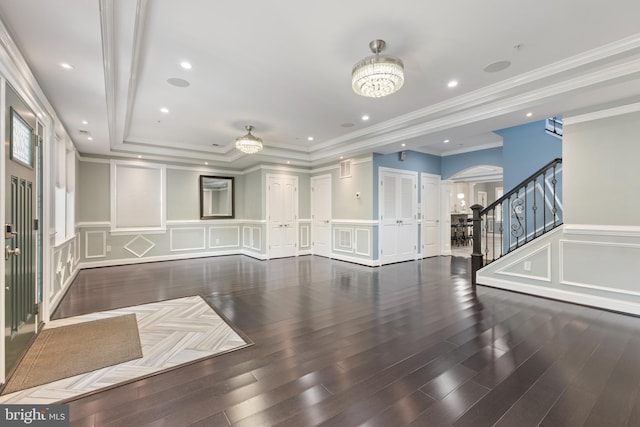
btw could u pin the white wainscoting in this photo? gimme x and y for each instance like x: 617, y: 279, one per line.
x: 187, y: 239
x: 139, y: 246
x: 66, y: 266
x: 363, y: 241
x: 588, y: 264
x: 352, y: 241
x: 343, y: 239
x: 305, y: 236
x: 95, y: 244
x: 222, y: 237
x: 252, y: 237
x: 591, y: 265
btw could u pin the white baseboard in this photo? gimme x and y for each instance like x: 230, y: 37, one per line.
x: 562, y: 295
x: 361, y: 261
x: 128, y: 261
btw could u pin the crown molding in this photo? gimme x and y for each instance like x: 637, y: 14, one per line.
x: 14, y: 68
x: 610, y: 112
x: 495, y: 92
x: 497, y: 108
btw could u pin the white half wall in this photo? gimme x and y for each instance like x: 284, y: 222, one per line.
x: 589, y: 265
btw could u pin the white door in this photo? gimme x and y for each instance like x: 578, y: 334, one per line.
x: 321, y: 215
x: 398, y: 231
x: 430, y: 238
x: 282, y: 207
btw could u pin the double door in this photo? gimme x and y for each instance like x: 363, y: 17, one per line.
x: 282, y: 215
x: 398, y: 194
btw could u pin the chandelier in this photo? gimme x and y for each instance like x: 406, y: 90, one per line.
x: 248, y: 143
x: 377, y: 75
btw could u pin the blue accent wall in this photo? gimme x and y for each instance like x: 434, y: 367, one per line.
x: 455, y: 163
x: 415, y: 162
x: 526, y: 148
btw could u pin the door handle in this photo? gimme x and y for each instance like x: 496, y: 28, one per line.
x: 8, y: 252
x: 8, y: 232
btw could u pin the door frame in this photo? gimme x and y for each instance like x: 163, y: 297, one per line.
x: 270, y: 176
x: 312, y: 180
x: 446, y: 192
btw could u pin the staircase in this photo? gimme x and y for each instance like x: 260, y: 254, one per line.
x: 529, y: 210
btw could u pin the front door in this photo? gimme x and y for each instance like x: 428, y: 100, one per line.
x: 321, y: 215
x: 21, y: 276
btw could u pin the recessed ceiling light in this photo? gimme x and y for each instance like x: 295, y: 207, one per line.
x: 288, y: 162
x: 90, y: 138
x: 529, y: 114
x: 206, y: 163
x: 404, y: 145
x: 341, y: 157
x: 310, y: 138
x: 446, y: 141
x: 84, y: 122
x: 497, y: 66
x: 66, y: 66
x: 174, y: 81
x: 452, y: 83
x: 365, y: 118
x: 186, y: 65
x: 139, y: 157
x: 164, y: 110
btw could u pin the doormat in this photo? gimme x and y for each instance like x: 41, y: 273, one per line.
x: 66, y: 351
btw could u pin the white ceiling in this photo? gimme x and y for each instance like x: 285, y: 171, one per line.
x: 284, y: 67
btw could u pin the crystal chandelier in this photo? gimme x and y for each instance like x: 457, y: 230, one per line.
x: 248, y: 143
x: 377, y: 75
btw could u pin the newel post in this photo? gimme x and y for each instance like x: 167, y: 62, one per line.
x: 476, y: 255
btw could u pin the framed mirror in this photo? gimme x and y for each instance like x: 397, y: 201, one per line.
x: 216, y: 197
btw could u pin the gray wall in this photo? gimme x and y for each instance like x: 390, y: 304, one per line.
x: 251, y: 194
x: 601, y: 179
x: 183, y: 198
x: 344, y: 204
x: 489, y: 188
x: 93, y: 199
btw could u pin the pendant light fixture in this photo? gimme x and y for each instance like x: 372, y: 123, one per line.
x: 249, y: 143
x: 377, y: 75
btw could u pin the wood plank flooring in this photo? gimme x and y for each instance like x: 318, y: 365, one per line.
x: 337, y: 344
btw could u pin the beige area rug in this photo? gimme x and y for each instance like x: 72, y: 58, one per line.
x: 70, y: 350
x: 172, y: 333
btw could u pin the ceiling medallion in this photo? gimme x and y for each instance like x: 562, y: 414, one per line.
x: 249, y: 143
x: 377, y: 75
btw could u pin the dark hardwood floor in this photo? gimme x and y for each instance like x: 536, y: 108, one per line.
x: 338, y: 344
